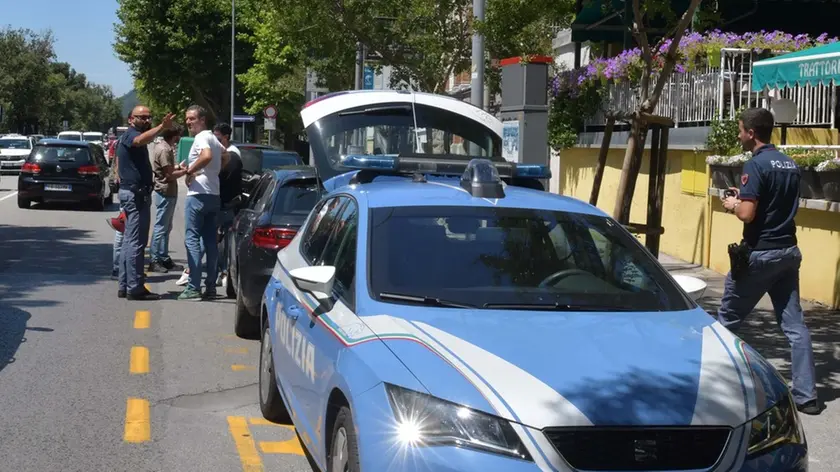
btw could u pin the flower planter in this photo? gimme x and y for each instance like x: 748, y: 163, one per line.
x: 726, y: 176
x: 830, y: 185
x: 809, y: 185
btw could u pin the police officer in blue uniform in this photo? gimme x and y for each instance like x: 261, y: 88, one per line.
x: 767, y: 202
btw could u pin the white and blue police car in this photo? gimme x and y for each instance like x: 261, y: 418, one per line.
x: 432, y: 315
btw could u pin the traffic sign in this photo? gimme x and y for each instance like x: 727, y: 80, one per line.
x: 368, y: 83
x: 243, y: 118
x: 270, y: 111
x: 270, y: 124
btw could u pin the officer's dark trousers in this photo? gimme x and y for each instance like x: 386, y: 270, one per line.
x: 775, y: 272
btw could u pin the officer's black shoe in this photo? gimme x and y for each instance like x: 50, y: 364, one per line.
x: 120, y: 293
x: 812, y: 407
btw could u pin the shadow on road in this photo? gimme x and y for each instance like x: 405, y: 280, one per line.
x: 762, y: 332
x: 65, y: 206
x: 52, y: 250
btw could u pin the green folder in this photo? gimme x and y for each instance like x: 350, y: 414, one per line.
x: 184, y: 146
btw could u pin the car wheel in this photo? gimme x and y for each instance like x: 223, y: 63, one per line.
x: 23, y: 202
x: 245, y: 325
x: 344, y: 447
x: 271, y: 405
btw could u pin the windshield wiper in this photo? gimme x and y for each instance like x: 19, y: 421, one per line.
x: 553, y: 307
x: 424, y: 300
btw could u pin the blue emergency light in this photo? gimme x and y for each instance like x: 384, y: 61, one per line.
x: 481, y: 177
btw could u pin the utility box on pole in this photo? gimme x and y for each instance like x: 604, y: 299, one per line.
x: 525, y: 109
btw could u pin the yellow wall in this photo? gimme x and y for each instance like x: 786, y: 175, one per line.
x: 684, y: 217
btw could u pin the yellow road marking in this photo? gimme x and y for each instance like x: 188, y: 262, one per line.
x: 248, y: 455
x: 236, y: 350
x: 240, y: 367
x: 137, y: 427
x: 141, y: 319
x: 262, y: 422
x: 291, y: 446
x: 148, y: 287
x: 139, y: 363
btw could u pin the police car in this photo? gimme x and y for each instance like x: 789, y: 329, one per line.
x: 438, y: 314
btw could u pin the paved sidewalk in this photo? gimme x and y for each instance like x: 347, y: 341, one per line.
x: 762, y: 332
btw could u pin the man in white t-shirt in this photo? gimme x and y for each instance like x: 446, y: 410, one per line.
x: 206, y: 158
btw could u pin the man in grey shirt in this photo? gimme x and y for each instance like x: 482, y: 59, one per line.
x: 164, y: 198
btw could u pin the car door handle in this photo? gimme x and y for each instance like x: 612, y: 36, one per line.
x: 293, y: 311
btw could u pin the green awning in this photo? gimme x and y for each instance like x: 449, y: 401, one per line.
x: 608, y: 20
x: 819, y: 65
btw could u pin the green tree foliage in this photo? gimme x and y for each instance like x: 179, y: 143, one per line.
x: 39, y: 94
x: 179, y: 51
x: 277, y: 76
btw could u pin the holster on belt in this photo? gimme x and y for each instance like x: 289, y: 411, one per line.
x: 739, y: 259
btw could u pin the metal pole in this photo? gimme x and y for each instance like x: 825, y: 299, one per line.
x: 477, y: 83
x: 232, y: 58
x: 359, y: 61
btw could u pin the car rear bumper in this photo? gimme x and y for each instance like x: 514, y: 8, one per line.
x: 80, y: 190
x: 12, y: 165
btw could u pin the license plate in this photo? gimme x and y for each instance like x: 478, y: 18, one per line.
x: 10, y: 163
x: 57, y: 188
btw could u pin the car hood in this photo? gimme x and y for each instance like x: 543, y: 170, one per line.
x: 579, y: 369
x: 14, y: 152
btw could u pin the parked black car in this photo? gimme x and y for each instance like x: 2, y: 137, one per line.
x: 67, y: 171
x: 279, y: 205
x: 257, y: 158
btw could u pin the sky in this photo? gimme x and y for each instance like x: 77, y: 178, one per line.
x: 84, y: 35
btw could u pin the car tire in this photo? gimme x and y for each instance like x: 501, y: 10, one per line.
x: 271, y: 404
x: 344, y: 446
x: 245, y: 325
x: 23, y: 202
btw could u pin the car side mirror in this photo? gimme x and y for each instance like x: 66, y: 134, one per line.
x: 317, y: 280
x: 694, y: 287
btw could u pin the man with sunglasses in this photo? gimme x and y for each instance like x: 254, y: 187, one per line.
x: 136, y: 181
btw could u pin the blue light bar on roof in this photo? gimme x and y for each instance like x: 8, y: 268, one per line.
x: 361, y: 162
x: 533, y: 171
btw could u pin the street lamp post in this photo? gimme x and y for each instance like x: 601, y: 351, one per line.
x: 477, y: 79
x: 232, y: 58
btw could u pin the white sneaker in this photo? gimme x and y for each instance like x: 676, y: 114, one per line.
x: 185, y: 277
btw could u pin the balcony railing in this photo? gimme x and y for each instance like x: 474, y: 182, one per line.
x: 695, y: 98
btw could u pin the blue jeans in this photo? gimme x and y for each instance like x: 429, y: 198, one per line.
x: 200, y: 221
x: 137, y: 207
x: 775, y: 272
x: 163, y: 225
x: 118, y: 239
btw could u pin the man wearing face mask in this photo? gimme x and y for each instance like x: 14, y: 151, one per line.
x: 136, y: 181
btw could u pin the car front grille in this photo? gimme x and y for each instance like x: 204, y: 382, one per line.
x: 639, y: 448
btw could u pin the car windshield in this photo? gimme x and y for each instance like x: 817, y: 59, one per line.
x: 50, y: 154
x: 392, y: 128
x: 294, y: 201
x: 92, y: 137
x: 70, y: 137
x: 272, y: 159
x: 14, y: 144
x: 508, y: 258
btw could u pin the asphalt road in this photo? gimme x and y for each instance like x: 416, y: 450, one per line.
x: 70, y: 402
x: 89, y: 382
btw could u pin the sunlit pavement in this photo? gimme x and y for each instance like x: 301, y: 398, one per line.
x: 92, y: 382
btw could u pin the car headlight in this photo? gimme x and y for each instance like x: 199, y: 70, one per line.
x: 423, y: 420
x: 775, y: 427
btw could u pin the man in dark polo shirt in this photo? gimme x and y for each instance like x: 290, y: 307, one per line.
x: 135, y: 173
x: 767, y: 202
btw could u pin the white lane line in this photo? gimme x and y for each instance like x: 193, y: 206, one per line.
x: 8, y: 196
